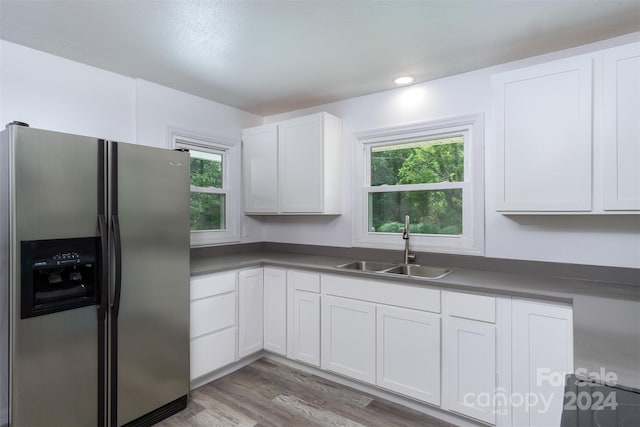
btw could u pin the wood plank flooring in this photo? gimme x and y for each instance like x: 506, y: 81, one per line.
x: 266, y: 393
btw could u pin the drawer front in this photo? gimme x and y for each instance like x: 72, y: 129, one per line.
x: 212, y: 352
x: 418, y: 297
x: 470, y: 306
x: 212, y: 314
x: 304, y: 280
x: 212, y: 284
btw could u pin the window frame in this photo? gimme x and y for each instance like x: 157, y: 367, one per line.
x: 230, y: 181
x: 471, y: 241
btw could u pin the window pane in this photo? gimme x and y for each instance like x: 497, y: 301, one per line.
x: 431, y: 212
x: 207, y: 211
x: 206, y: 169
x: 425, y: 162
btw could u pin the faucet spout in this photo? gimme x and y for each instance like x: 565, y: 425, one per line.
x: 408, y: 255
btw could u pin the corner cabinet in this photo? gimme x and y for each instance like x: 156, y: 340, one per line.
x: 293, y: 167
x: 568, y: 135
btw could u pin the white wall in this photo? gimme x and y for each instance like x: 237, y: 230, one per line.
x: 595, y: 240
x: 54, y: 93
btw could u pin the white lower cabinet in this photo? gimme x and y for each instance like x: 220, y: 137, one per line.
x: 213, y: 322
x: 542, y: 340
x: 460, y: 351
x: 306, y: 327
x: 470, y: 353
x: 408, y: 352
x: 275, y: 310
x: 349, y: 338
x: 303, y: 316
x: 250, y: 312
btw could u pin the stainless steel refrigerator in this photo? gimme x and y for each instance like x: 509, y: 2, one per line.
x: 94, y: 298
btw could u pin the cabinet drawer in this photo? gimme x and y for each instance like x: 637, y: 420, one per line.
x: 212, y: 284
x: 417, y: 297
x: 470, y: 306
x: 212, y: 352
x: 212, y: 314
x: 304, y: 280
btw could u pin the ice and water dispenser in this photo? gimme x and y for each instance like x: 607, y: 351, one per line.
x: 58, y: 275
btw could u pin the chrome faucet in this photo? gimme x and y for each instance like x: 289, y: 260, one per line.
x: 408, y: 256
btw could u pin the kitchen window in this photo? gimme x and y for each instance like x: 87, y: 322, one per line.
x: 432, y: 172
x: 213, y: 205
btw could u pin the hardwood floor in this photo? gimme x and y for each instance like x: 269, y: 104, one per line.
x: 266, y: 393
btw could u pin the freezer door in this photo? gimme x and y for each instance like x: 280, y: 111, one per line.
x: 54, y: 357
x: 150, y: 316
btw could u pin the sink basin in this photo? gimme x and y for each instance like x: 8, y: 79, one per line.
x: 368, y: 265
x: 418, y: 271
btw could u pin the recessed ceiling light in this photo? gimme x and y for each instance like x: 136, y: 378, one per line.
x: 404, y: 80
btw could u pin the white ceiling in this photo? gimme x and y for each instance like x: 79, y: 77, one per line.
x: 268, y: 57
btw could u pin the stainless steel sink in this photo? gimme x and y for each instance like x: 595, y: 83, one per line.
x: 418, y: 271
x: 368, y: 265
x: 410, y: 270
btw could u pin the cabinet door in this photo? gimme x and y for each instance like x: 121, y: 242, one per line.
x: 300, y: 163
x: 470, y: 354
x: 306, y: 327
x: 542, y: 339
x: 212, y: 351
x: 622, y: 128
x: 275, y: 310
x: 408, y: 352
x: 543, y: 136
x: 250, y: 312
x: 349, y: 338
x: 260, y: 169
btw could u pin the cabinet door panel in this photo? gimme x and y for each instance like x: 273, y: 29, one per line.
x: 622, y: 128
x: 213, y: 351
x: 212, y: 314
x: 306, y: 327
x: 542, y: 352
x: 471, y: 368
x: 250, y: 312
x: 275, y: 310
x: 300, y: 158
x: 349, y: 338
x: 544, y: 142
x: 260, y: 169
x: 408, y: 353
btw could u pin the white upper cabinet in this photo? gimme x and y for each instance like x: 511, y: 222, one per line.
x: 568, y: 135
x: 260, y: 169
x: 621, y: 127
x: 544, y: 138
x: 293, y: 167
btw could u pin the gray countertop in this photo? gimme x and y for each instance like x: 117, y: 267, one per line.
x: 606, y: 315
x: 499, y: 283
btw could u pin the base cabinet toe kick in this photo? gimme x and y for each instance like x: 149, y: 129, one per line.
x: 489, y: 359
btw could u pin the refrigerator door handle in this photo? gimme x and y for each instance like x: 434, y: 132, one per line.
x: 104, y: 266
x: 102, y: 318
x: 118, y: 266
